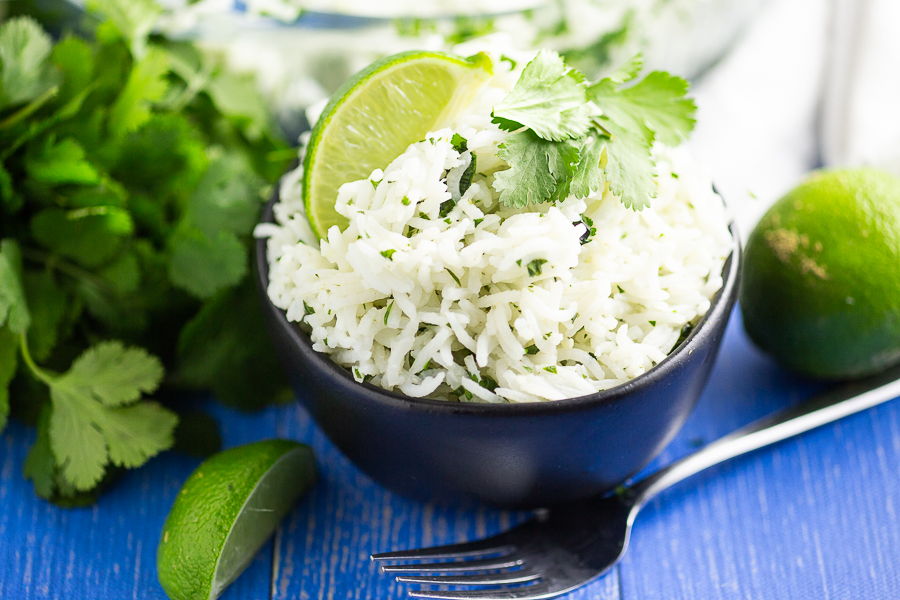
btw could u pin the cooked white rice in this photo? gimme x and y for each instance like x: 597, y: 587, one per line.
x: 447, y: 308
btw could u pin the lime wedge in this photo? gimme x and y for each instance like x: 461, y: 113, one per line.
x: 225, y: 512
x: 376, y: 115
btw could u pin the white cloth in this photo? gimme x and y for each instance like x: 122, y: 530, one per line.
x: 812, y: 83
x: 861, y: 110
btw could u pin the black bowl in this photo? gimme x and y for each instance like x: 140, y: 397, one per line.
x: 508, y: 455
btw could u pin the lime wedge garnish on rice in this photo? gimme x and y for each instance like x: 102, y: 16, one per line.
x: 225, y: 512
x: 376, y: 115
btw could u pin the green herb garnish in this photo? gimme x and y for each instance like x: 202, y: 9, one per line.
x: 465, y: 182
x: 535, y: 266
x: 459, y: 143
x: 588, y: 235
x: 560, y: 148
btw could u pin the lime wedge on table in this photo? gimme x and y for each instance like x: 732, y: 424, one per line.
x: 225, y: 512
x: 376, y: 115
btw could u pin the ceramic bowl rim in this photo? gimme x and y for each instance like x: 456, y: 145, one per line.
x: 719, y: 309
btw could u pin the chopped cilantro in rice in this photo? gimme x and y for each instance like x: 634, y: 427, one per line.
x: 438, y: 289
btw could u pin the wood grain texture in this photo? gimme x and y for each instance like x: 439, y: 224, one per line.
x: 814, y: 517
x: 107, y: 551
x: 811, y: 518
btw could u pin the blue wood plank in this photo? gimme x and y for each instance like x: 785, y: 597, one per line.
x: 813, y: 517
x: 323, y: 549
x: 108, y: 550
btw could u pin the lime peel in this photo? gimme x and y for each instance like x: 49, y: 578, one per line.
x: 226, y: 511
x: 376, y: 115
x: 821, y: 288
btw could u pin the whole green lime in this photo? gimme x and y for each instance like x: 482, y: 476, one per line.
x: 821, y: 280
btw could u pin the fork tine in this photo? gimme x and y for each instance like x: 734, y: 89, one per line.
x: 460, y: 566
x: 529, y: 592
x: 505, y: 578
x: 464, y: 550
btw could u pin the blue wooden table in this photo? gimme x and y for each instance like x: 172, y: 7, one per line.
x: 815, y: 517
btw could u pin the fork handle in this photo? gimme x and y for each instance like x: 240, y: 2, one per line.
x: 820, y: 410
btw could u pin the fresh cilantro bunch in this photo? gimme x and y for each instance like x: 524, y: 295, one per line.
x: 573, y: 137
x: 132, y: 172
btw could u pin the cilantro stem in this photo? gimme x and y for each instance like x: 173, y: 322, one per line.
x: 69, y: 110
x: 53, y: 261
x: 30, y: 108
x: 193, y: 86
x: 32, y: 366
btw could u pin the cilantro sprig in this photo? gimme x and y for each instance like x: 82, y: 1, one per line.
x: 132, y: 172
x: 572, y: 137
x: 549, y: 99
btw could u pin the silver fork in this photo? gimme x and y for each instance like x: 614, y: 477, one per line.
x: 563, y: 549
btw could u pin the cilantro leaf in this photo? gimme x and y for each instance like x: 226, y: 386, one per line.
x: 459, y: 143
x: 122, y: 296
x: 89, y: 426
x: 59, y: 163
x: 536, y: 266
x: 25, y: 71
x: 589, y: 176
x: 202, y: 265
x: 146, y: 84
x: 164, y: 159
x: 654, y: 109
x: 225, y: 348
x: 536, y: 167
x: 9, y: 352
x: 657, y: 107
x: 47, y: 303
x: 549, y: 98
x: 627, y: 71
x: 9, y: 198
x: 134, y: 19
x: 90, y: 235
x: 465, y: 180
x: 123, y: 274
x: 134, y: 434
x: 40, y: 466
x: 77, y: 439
x: 630, y: 170
x: 613, y: 147
x: 13, y: 307
x: 227, y: 198
x: 235, y: 95
x: 74, y: 59
x: 112, y: 374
